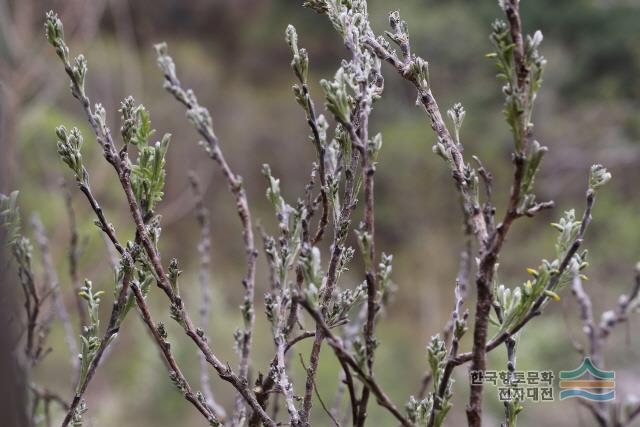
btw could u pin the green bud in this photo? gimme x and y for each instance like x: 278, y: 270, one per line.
x: 532, y: 165
x: 456, y: 114
x: 174, y: 273
x: 311, y: 268
x: 598, y: 176
x: 300, y: 61
x: 79, y: 71
x: 419, y: 69
x: 69, y: 145
x: 300, y: 98
x: 365, y: 241
x: 61, y: 133
x: 165, y: 62
x: 273, y: 191
x: 436, y: 355
x: 100, y: 115
x: 53, y: 28
x: 337, y: 96
x: 419, y: 411
x: 128, y: 128
x: 55, y: 35
x: 375, y: 145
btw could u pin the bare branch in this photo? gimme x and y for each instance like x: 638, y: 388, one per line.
x: 51, y: 277
x: 537, y: 306
x: 204, y: 248
x: 120, y: 163
x: 347, y: 359
x: 202, y: 122
x: 112, y: 329
x: 74, y: 254
x: 324, y: 407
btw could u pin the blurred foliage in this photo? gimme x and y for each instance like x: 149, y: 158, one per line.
x: 234, y: 56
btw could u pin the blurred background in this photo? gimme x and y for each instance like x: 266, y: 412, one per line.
x: 233, y: 54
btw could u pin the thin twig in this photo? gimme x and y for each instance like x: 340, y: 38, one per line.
x: 315, y: 387
x: 570, y: 333
x: 112, y: 330
x: 107, y: 339
x: 535, y: 310
x: 430, y: 105
x: 164, y: 346
x: 312, y: 121
x: 51, y: 277
x: 331, y: 276
x: 461, y: 291
x: 346, y: 358
x: 511, y: 370
x: 621, y: 312
x: 120, y: 163
x: 204, y: 248
x: 586, y: 315
x: 204, y: 127
x: 456, y: 317
x: 46, y: 394
x: 74, y: 254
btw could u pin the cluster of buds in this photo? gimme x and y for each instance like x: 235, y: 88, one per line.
x: 338, y: 98
x: 300, y: 61
x: 69, y: 145
x: 419, y: 411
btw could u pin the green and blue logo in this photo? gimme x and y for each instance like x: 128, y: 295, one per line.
x: 599, y: 386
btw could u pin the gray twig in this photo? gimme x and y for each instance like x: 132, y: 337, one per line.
x: 74, y: 254
x: 120, y: 163
x: 51, y: 277
x: 204, y: 248
x: 202, y: 122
